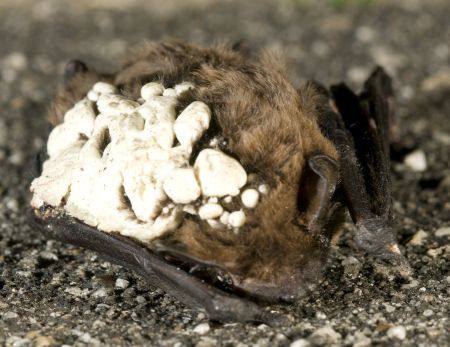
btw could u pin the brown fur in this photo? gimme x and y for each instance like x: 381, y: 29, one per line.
x: 268, y: 125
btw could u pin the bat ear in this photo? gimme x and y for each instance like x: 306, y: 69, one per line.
x: 73, y: 68
x: 317, y: 186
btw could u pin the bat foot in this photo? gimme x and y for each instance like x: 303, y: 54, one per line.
x: 376, y: 238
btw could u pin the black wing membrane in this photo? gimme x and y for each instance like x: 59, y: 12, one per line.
x: 367, y: 119
x: 359, y: 128
x: 193, y: 292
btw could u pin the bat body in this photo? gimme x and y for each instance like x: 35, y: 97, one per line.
x: 316, y: 153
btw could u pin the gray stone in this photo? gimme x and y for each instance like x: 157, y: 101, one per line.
x: 324, y: 336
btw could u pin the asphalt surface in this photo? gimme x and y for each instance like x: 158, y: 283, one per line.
x: 53, y: 294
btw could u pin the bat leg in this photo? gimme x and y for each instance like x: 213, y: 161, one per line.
x: 359, y: 127
x: 219, y: 305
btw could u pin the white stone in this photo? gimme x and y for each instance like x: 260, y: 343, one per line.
x: 325, y: 336
x: 418, y: 238
x: 250, y: 198
x: 202, y: 328
x: 263, y: 188
x: 443, y: 232
x: 192, y: 123
x: 210, y: 211
x: 300, y: 343
x: 236, y: 219
x: 121, y: 283
x: 416, y: 161
x: 219, y: 174
x: 151, y: 89
x: 181, y: 186
x: 104, y: 88
x: 397, y: 332
x: 183, y: 87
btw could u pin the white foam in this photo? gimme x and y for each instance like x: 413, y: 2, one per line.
x: 119, y: 171
x: 219, y: 174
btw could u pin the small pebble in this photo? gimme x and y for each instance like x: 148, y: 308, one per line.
x: 436, y: 252
x: 428, y: 313
x: 202, y: 328
x: 140, y: 299
x: 416, y: 161
x: 10, y: 316
x: 324, y: 336
x: 206, y: 342
x: 121, y: 283
x: 352, y: 266
x: 361, y: 340
x: 418, y: 238
x: 443, y: 232
x: 397, y: 332
x: 410, y: 285
x: 357, y: 74
x: 389, y: 308
x: 16, y: 61
x: 300, y: 343
x: 17, y: 341
x: 321, y: 315
x: 47, y: 255
x: 99, y: 293
x: 365, y: 34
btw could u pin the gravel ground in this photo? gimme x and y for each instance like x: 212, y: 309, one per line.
x: 54, y: 294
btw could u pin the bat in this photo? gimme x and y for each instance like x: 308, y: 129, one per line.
x: 311, y: 154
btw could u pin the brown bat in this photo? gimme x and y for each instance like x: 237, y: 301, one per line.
x: 320, y: 153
